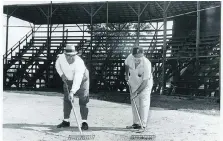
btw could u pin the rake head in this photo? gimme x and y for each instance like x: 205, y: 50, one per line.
x: 143, y: 137
x: 81, y: 137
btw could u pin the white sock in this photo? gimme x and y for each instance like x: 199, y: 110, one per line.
x: 67, y: 120
x: 84, y: 120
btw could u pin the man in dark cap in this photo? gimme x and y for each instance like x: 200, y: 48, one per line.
x: 139, y: 76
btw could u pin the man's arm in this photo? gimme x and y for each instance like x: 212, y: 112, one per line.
x: 78, y: 76
x: 146, y: 76
x: 58, y: 68
x: 142, y: 86
x: 126, y: 70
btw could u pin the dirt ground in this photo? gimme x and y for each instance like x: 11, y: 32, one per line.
x: 29, y: 116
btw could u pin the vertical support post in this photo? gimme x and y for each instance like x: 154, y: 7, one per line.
x: 205, y: 88
x: 63, y: 32
x: 34, y: 29
x: 48, y: 42
x: 50, y: 15
x: 83, y: 32
x: 91, y: 39
x: 164, y: 47
x: 7, y: 35
x: 106, y: 26
x: 106, y: 44
x: 198, y: 34
x: 63, y: 36
x: 49, y: 47
x: 91, y: 32
x: 20, y: 44
x: 82, y: 50
x: 11, y: 52
x: 220, y: 76
x: 32, y: 35
x: 138, y: 15
x: 26, y: 40
x: 47, y: 70
x: 6, y: 49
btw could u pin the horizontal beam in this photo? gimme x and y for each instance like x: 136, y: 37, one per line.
x: 169, y: 35
x: 114, y: 31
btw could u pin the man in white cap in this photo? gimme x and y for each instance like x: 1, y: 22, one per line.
x: 138, y: 71
x: 75, y: 76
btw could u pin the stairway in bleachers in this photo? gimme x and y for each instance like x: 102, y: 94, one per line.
x: 27, y: 66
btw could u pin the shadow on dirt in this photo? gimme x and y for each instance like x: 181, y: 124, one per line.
x: 54, y: 129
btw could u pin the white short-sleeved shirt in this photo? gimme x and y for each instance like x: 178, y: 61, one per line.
x: 142, y: 72
x: 74, y: 71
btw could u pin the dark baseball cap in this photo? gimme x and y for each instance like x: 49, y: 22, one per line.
x: 137, y: 50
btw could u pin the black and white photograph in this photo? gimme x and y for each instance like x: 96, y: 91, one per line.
x: 111, y: 70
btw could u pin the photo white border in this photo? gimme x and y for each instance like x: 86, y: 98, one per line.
x: 28, y: 1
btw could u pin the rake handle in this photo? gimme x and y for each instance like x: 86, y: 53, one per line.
x: 137, y: 111
x: 76, y: 118
x: 74, y: 111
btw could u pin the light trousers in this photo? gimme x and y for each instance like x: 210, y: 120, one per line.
x: 143, y: 104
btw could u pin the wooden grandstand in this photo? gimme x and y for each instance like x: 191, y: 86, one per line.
x: 181, y: 64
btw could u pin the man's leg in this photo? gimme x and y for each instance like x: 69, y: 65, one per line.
x: 83, y: 100
x: 144, y: 100
x: 67, y: 106
x: 135, y: 117
x: 83, y: 94
x: 136, y: 123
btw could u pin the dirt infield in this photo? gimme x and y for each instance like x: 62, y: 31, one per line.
x: 32, y: 117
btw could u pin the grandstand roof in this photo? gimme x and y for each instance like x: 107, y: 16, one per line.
x: 118, y: 11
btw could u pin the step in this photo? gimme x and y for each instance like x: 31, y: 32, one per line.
x: 176, y: 40
x: 207, y: 43
x: 40, y: 48
x: 175, y: 44
x: 189, y: 44
x: 46, y: 39
x: 30, y: 73
x: 29, y: 58
x: 34, y: 52
x: 59, y: 40
x: 180, y: 39
x: 209, y: 39
x: 210, y: 36
x: 34, y: 45
x: 61, y: 37
x: 26, y: 57
x: 39, y: 41
x: 29, y: 43
x: 37, y: 44
x: 44, y: 53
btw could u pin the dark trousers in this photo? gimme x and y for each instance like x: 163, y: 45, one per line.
x: 82, y: 93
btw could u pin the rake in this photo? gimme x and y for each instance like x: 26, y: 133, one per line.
x: 81, y: 136
x: 139, y: 137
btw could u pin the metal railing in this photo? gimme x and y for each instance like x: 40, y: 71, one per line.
x: 18, y: 44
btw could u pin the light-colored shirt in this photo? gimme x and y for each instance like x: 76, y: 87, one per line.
x: 137, y: 74
x: 74, y: 71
